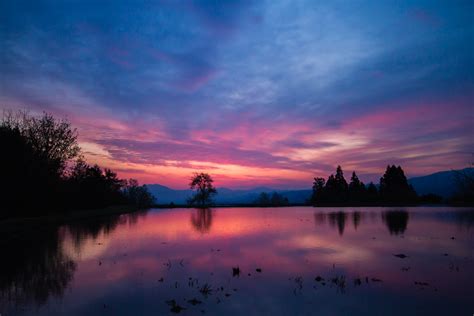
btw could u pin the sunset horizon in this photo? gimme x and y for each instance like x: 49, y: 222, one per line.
x: 255, y: 94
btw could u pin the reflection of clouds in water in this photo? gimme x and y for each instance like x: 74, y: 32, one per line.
x: 324, y: 249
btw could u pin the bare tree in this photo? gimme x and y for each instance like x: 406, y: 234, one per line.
x: 53, y: 140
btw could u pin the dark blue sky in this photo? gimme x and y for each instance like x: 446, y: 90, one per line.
x: 254, y: 92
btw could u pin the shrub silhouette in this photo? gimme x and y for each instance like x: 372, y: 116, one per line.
x: 275, y: 199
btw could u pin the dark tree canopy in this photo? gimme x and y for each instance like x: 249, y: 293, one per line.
x: 101, y: 187
x: 204, y: 190
x: 394, y: 189
x: 97, y: 187
x: 42, y: 172
x: 32, y: 164
x: 263, y: 199
x: 334, y: 190
x: 318, y: 187
x: 372, y: 193
x: 357, y: 190
x: 137, y: 195
x: 53, y: 140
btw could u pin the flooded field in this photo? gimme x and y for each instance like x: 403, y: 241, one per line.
x: 245, y: 261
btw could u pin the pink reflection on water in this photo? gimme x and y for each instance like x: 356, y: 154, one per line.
x: 171, y: 254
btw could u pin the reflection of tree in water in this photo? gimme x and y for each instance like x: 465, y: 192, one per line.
x: 35, y: 266
x: 339, y: 219
x: 319, y: 218
x: 465, y: 219
x: 81, y: 231
x: 356, y: 216
x: 396, y: 221
x: 201, y: 219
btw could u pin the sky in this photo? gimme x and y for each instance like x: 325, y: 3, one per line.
x: 256, y: 93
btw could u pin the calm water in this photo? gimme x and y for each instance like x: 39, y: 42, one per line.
x: 310, y: 261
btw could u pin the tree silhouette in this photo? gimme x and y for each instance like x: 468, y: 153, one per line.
x: 357, y: 190
x: 372, y: 194
x: 278, y: 200
x: 263, y: 199
x: 42, y: 172
x: 204, y: 190
x: 394, y: 187
x: 318, y: 190
x: 53, y: 140
x: 137, y: 195
x: 334, y: 191
x: 97, y: 187
x: 275, y: 199
x: 394, y: 190
x: 32, y: 165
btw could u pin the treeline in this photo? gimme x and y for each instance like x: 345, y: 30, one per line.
x: 274, y: 199
x: 42, y: 170
x: 393, y: 189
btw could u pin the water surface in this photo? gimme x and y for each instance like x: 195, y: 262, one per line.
x: 291, y: 261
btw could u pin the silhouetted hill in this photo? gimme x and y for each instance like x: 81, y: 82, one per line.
x: 442, y: 183
x: 167, y: 195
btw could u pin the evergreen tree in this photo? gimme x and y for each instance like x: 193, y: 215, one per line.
x: 263, y: 199
x: 318, y: 191
x: 278, y: 200
x: 334, y: 191
x: 372, y: 194
x: 339, y: 189
x: 394, y: 187
x: 357, y: 190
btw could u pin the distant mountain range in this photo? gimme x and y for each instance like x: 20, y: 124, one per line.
x: 441, y: 183
x: 165, y: 195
